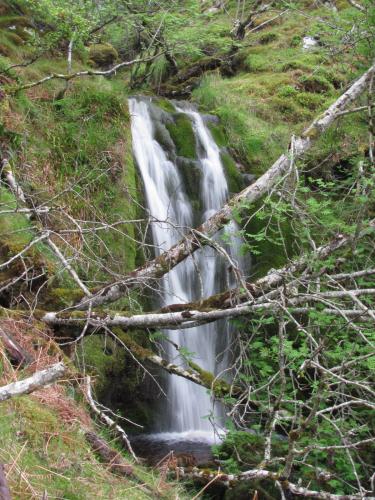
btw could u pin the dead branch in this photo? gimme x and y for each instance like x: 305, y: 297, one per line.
x: 39, y: 379
x: 107, y: 420
x: 109, y: 456
x: 78, y: 74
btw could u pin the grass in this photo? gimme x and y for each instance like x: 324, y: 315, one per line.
x: 43, y: 453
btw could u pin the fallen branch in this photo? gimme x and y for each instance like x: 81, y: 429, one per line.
x: 109, y: 456
x: 67, y: 266
x: 162, y: 264
x: 199, y: 376
x: 38, y: 380
x: 107, y: 420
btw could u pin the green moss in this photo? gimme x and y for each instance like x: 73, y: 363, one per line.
x: 53, y: 455
x: 315, y: 83
x: 234, y: 177
x: 296, y: 41
x: 217, y: 133
x: 191, y: 174
x: 117, y: 375
x: 181, y: 131
x: 268, y: 244
x: 164, y: 104
x: 257, y: 63
x: 103, y: 54
x: 220, y: 387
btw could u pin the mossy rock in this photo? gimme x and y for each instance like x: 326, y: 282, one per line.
x: 164, y: 104
x: 182, y: 134
x: 217, y: 133
x: 234, y: 177
x: 191, y: 174
x: 162, y: 135
x: 103, y: 54
x: 118, y: 378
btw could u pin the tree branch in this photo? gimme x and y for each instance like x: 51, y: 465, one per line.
x: 78, y: 74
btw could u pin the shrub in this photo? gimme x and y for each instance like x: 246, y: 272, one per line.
x: 295, y: 41
x: 287, y: 91
x: 268, y: 38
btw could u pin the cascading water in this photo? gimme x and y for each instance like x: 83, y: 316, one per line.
x: 197, y: 277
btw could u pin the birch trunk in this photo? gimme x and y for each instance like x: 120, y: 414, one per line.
x: 33, y: 383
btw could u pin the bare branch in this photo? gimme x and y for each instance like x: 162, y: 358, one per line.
x: 78, y: 74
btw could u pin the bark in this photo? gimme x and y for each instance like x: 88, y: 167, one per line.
x: 38, y: 380
x: 241, y: 26
x: 4, y: 490
x: 162, y: 264
x: 108, y: 455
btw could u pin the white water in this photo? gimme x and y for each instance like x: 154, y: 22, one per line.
x: 187, y: 403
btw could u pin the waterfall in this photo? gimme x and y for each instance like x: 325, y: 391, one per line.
x: 201, y: 276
